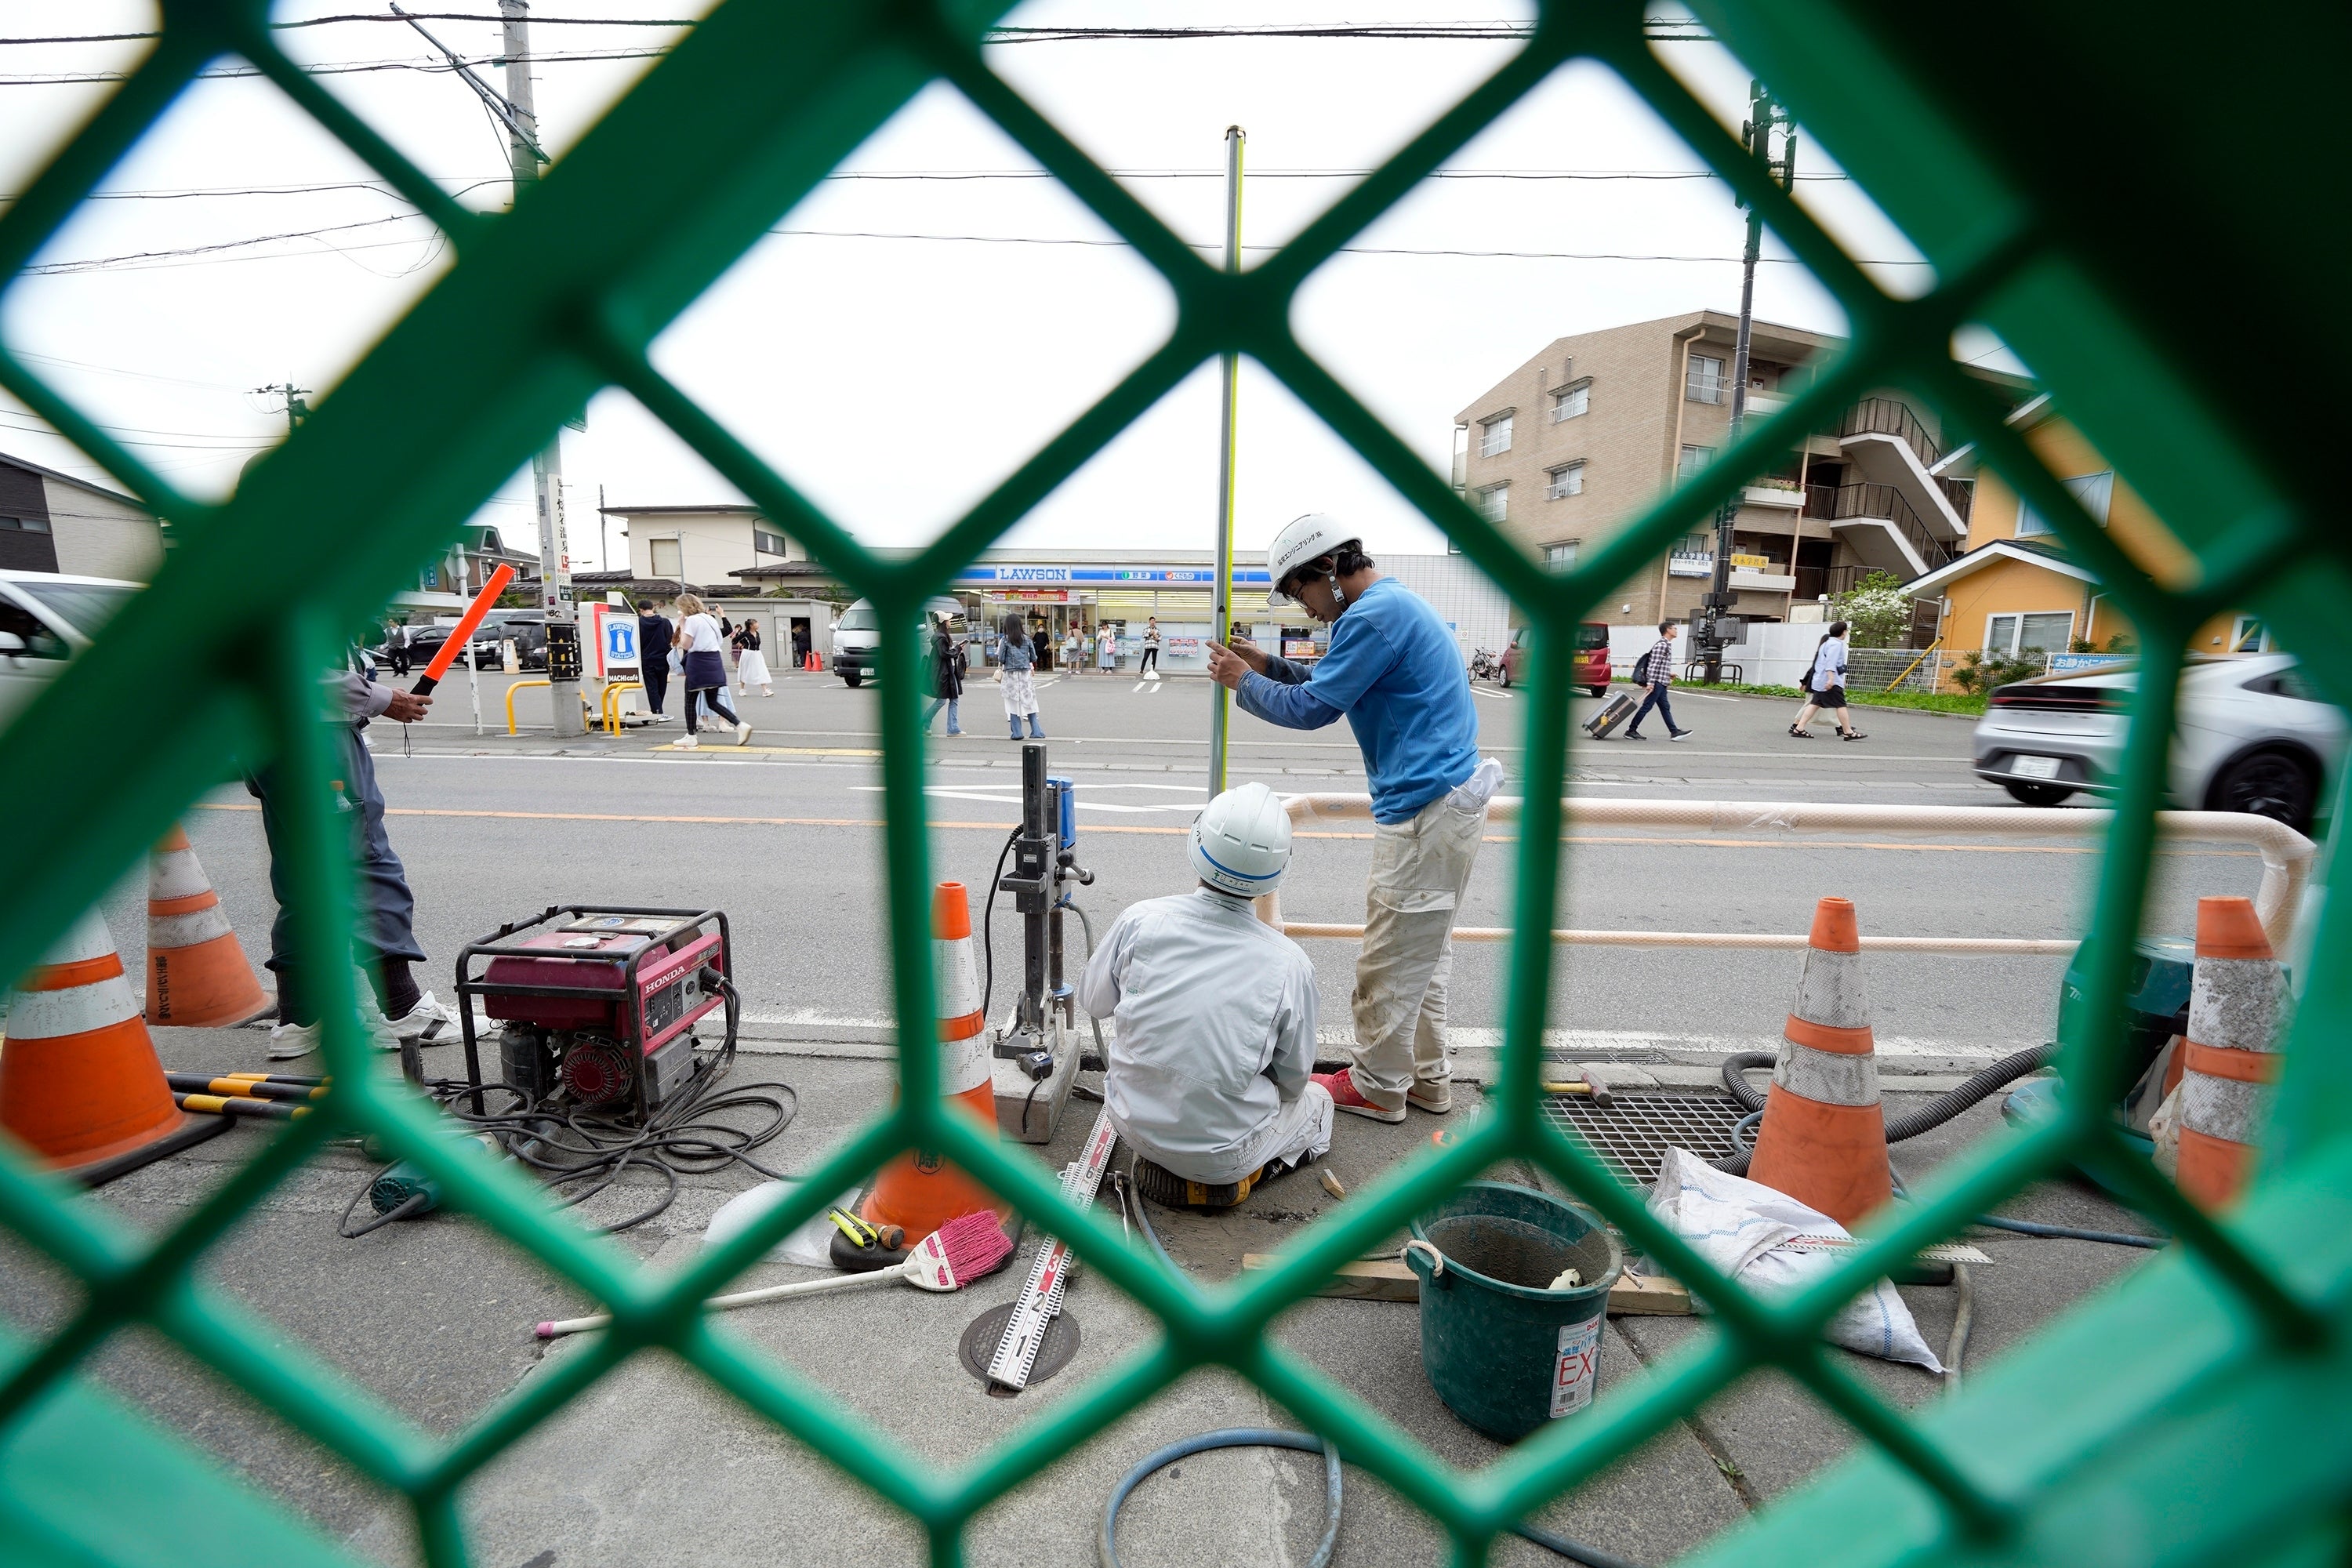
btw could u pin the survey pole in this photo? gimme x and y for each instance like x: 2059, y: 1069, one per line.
x: 1221, y: 699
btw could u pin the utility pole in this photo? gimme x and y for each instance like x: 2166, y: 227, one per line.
x: 1228, y: 430
x: 297, y: 410
x: 563, y: 660
x: 1756, y: 134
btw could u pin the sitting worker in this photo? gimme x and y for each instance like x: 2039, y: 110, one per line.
x: 1211, y: 1065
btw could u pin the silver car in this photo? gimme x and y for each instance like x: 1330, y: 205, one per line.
x: 2253, y: 735
x: 46, y: 618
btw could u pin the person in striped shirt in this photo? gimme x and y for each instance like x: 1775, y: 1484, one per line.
x: 1658, y: 673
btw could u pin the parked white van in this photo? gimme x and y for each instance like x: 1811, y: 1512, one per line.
x: 857, y: 636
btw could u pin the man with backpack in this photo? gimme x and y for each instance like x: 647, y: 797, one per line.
x: 1655, y: 669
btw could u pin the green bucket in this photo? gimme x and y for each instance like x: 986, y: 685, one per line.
x: 1504, y: 1353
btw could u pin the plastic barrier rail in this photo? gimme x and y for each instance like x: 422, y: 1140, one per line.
x: 2195, y: 1411
x: 2287, y: 857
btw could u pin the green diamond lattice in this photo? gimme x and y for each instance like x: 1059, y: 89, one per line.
x: 2199, y: 1408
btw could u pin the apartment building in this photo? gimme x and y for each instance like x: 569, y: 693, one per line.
x: 1574, y: 446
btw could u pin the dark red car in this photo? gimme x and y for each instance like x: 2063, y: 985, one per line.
x: 1591, y: 657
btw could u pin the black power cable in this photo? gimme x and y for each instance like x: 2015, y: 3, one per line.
x: 580, y: 1151
x: 988, y: 925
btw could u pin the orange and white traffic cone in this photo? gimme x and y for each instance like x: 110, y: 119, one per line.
x: 196, y: 973
x: 79, y: 1078
x: 1823, y: 1140
x: 2238, y: 1010
x: 920, y: 1190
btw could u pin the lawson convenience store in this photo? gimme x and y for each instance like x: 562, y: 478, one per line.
x: 1058, y: 597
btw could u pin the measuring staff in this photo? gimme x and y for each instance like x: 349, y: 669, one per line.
x: 1394, y: 671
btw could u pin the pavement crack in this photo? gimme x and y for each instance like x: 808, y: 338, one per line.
x: 1719, y: 1453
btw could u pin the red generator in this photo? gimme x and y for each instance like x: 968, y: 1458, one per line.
x: 599, y: 1005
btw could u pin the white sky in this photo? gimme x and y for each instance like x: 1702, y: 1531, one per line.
x: 896, y: 380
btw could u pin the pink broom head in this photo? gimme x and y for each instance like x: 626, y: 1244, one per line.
x: 959, y: 1252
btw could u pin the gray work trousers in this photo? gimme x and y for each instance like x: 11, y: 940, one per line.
x: 385, y: 926
x: 1420, y: 869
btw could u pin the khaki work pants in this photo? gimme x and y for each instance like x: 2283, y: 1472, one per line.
x: 1419, y: 871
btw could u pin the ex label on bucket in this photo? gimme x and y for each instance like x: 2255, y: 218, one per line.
x: 1571, y: 1379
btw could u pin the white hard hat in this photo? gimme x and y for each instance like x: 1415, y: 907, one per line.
x: 1241, y: 842
x: 1301, y: 540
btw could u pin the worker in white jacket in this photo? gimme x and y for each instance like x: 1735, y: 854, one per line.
x: 1212, y: 1055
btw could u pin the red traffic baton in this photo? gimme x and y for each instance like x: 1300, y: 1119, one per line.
x: 464, y: 634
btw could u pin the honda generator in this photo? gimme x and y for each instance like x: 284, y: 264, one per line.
x: 598, y: 1005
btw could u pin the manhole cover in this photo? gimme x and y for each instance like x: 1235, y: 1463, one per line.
x: 1632, y: 1133
x: 979, y: 1341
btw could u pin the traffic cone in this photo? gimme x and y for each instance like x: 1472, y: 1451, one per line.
x: 196, y: 973
x: 2238, y: 1009
x: 79, y: 1078
x: 1823, y: 1140
x: 919, y: 1190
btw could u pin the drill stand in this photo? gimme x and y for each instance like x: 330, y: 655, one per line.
x: 1036, y: 1049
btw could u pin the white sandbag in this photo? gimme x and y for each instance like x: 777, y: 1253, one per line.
x: 810, y: 1243
x: 1739, y: 1227
x: 2164, y: 1128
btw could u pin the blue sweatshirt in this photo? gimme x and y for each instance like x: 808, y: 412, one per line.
x: 1393, y: 669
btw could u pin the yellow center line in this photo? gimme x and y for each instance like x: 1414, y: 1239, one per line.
x: 1101, y: 828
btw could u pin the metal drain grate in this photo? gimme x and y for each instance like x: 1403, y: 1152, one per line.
x: 1632, y: 1133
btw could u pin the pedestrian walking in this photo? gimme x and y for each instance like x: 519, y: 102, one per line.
x: 395, y: 645
x: 801, y: 645
x: 750, y: 664
x: 1150, y: 669
x: 1107, y: 649
x: 383, y: 937
x: 705, y: 669
x: 1018, y: 680
x: 1072, y: 659
x: 1395, y: 673
x: 655, y: 636
x: 1826, y: 683
x: 944, y: 666
x: 1657, y: 673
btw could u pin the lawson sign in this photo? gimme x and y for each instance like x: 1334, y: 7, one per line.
x: 1107, y: 576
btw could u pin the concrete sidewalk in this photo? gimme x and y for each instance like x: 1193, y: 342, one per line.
x: 653, y: 1466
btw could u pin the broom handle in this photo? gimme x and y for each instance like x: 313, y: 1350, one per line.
x: 740, y: 1299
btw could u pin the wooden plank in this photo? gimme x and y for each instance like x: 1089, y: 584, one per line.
x: 1390, y: 1279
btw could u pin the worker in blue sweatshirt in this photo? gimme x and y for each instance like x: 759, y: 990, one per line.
x: 1394, y: 671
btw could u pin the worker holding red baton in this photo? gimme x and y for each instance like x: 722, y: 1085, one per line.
x: 383, y: 935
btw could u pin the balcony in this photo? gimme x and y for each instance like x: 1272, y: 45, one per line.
x: 1769, y: 579
x: 1772, y: 494
x: 1882, y: 527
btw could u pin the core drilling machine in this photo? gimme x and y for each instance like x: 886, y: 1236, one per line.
x: 1037, y: 1046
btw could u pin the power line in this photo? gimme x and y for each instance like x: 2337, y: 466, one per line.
x: 961, y: 175
x: 102, y: 263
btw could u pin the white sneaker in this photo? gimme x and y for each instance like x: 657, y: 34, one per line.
x: 424, y: 1021
x: 743, y: 734
x: 686, y: 743
x: 287, y: 1041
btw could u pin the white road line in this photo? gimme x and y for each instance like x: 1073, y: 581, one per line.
x: 948, y: 791
x: 1481, y: 692
x: 1139, y: 686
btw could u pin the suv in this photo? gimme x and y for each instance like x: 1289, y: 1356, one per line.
x: 46, y: 618
x: 1591, y: 669
x: 2253, y: 735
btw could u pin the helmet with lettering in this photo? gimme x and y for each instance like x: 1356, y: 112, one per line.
x: 1301, y: 540
x: 1241, y: 841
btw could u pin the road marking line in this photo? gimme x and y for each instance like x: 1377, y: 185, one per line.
x: 777, y: 751
x: 1481, y: 692
x: 1111, y: 827
x: 1139, y: 686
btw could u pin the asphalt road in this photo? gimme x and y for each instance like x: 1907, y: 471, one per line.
x: 784, y: 835
x: 653, y: 1466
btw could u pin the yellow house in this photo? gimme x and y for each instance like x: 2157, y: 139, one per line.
x: 2017, y: 590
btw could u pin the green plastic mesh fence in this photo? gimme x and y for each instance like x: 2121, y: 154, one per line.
x: 2201, y: 1408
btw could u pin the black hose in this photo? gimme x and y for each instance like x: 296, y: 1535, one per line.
x: 2069, y: 1233
x: 988, y: 925
x: 1933, y: 1114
